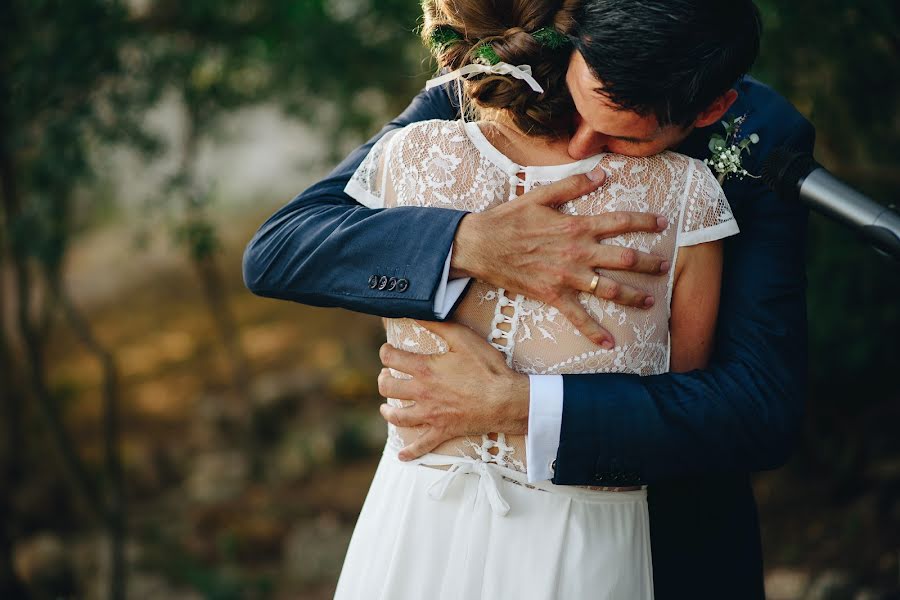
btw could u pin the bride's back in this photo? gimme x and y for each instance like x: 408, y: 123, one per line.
x: 452, y: 164
x: 522, y: 50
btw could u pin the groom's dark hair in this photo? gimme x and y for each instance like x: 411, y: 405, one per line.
x: 668, y: 58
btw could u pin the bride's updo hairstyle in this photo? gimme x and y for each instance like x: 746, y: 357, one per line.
x: 461, y: 32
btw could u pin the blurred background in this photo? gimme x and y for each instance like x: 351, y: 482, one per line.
x: 167, y: 435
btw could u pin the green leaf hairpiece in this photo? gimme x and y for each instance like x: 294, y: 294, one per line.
x: 550, y: 38
x: 486, y: 53
x: 443, y: 36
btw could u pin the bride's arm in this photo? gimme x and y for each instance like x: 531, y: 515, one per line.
x: 695, y: 305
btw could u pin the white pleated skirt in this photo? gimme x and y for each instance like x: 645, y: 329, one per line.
x: 479, y: 530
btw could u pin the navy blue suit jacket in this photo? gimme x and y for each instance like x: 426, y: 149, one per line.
x: 694, y: 437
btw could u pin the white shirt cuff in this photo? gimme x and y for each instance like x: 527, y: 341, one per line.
x: 448, y: 292
x: 545, y: 408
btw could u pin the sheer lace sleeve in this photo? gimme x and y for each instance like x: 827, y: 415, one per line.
x: 707, y: 214
x: 369, y: 184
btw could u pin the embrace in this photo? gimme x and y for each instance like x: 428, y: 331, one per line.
x: 592, y: 341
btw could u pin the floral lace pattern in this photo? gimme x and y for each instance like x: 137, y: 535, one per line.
x: 451, y: 164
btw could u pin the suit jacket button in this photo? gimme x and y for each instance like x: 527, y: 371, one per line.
x: 392, y: 284
x: 402, y: 285
x: 382, y: 283
x: 373, y: 282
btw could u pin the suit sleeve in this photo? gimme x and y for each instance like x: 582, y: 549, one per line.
x: 743, y: 412
x: 323, y: 248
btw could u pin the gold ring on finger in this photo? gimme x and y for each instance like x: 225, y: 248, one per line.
x: 594, y: 283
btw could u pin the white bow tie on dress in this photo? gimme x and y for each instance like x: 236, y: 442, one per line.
x: 522, y: 72
x: 489, y: 483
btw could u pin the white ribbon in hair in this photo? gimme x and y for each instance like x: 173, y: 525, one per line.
x: 522, y: 72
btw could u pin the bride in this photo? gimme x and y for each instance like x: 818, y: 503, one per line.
x: 463, y: 521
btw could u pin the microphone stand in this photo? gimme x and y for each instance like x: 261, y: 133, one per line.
x: 797, y: 176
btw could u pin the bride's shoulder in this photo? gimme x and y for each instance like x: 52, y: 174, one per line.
x: 685, y: 168
x: 434, y: 128
x: 665, y: 166
x: 424, y: 136
x: 677, y: 159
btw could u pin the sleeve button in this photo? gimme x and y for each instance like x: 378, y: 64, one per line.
x: 392, y: 284
x: 373, y: 282
x: 382, y: 283
x: 402, y: 285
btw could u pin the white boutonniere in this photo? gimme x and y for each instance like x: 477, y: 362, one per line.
x: 727, y: 151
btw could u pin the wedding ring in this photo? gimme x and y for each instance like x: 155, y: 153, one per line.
x: 595, y: 283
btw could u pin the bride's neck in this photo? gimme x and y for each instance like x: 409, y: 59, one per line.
x: 522, y: 148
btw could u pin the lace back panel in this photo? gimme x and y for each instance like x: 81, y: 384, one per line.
x: 450, y: 164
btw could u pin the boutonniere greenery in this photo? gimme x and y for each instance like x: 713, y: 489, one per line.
x: 725, y: 160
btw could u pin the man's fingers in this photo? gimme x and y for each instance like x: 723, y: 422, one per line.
x: 393, y: 387
x: 583, y: 322
x: 616, y: 223
x: 403, y: 361
x: 409, y: 416
x: 567, y: 189
x: 425, y: 444
x: 618, y: 258
x: 619, y: 293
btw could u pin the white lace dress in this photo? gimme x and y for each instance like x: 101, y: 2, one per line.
x: 478, y: 529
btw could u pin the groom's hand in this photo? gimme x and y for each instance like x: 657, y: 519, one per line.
x: 529, y: 247
x: 467, y: 391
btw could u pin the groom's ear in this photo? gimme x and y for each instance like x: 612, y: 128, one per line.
x: 715, y: 111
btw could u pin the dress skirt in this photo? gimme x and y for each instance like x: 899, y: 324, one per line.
x: 479, y: 530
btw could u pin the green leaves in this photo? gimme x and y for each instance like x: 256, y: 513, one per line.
x: 443, y: 36
x: 716, y: 142
x: 552, y: 39
x: 486, y: 53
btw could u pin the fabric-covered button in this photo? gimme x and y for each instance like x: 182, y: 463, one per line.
x: 392, y: 284
x: 382, y: 283
x: 402, y: 285
x: 373, y: 282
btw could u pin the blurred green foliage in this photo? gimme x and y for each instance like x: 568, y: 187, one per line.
x: 79, y: 74
x: 838, y: 61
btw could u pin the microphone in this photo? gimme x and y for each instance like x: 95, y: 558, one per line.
x: 797, y: 176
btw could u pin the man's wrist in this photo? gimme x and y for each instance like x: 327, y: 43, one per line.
x: 515, y: 395
x: 464, y: 258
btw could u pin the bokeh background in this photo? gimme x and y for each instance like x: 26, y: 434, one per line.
x: 167, y: 435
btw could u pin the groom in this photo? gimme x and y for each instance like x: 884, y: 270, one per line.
x: 645, y: 76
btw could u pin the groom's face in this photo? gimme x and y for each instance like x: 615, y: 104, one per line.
x: 600, y: 126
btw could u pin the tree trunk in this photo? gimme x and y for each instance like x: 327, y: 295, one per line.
x: 216, y: 297
x: 11, y: 453
x: 215, y: 291
x: 12, y: 399
x: 116, y: 516
x: 33, y: 333
x: 207, y: 268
